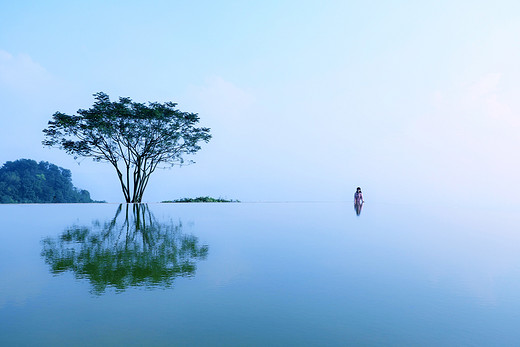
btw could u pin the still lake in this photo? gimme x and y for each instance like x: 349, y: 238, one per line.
x: 259, y: 274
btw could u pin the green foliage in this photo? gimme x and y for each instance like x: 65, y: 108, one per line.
x: 26, y: 181
x: 200, y: 199
x: 131, y: 250
x: 134, y: 138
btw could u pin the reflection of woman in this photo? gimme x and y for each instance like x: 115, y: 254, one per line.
x: 358, y: 196
x: 358, y: 206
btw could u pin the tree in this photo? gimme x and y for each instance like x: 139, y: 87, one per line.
x: 135, y: 138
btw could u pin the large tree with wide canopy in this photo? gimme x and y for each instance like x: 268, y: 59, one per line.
x: 135, y: 138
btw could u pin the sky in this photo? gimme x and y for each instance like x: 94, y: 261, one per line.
x: 306, y: 100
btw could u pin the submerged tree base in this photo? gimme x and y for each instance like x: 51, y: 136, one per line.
x: 199, y: 199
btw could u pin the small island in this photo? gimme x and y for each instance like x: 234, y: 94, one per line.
x: 199, y: 199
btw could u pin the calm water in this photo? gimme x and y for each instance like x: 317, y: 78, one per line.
x: 287, y: 274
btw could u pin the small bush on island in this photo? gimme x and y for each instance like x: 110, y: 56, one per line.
x: 199, y: 199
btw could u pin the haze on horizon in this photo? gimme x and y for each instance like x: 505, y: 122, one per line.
x: 305, y: 100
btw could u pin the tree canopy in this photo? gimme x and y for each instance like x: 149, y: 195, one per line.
x: 26, y: 181
x: 134, y: 138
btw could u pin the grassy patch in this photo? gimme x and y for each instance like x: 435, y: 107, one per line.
x: 199, y: 199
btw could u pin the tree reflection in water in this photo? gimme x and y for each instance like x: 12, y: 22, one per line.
x: 137, y: 251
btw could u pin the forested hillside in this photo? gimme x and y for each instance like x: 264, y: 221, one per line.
x: 26, y: 181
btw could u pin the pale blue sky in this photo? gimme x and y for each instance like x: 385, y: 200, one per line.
x: 306, y: 99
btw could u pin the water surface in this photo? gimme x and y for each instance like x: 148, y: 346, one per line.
x: 273, y: 274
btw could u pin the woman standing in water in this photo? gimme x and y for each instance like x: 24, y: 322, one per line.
x: 358, y: 196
